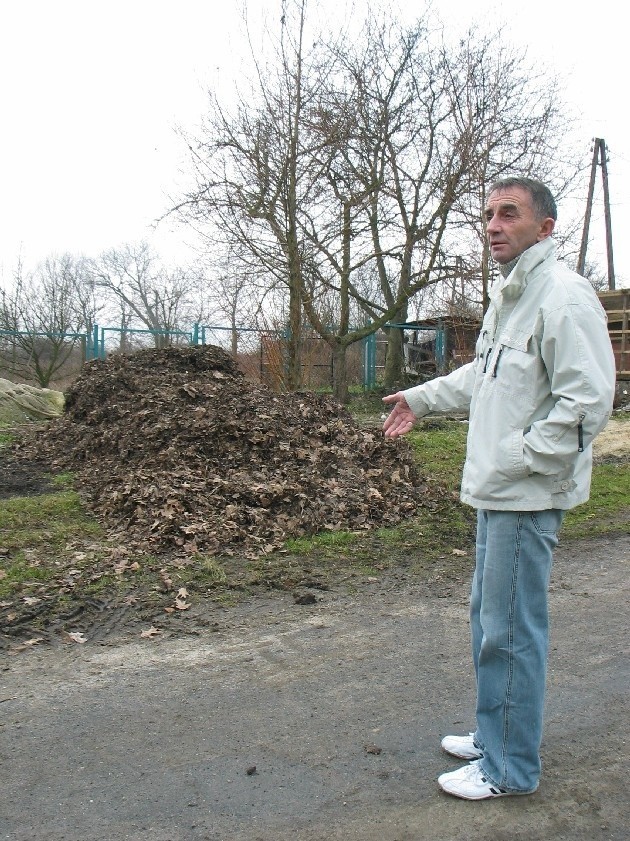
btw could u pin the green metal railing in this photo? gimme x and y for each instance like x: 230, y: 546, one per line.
x: 93, y: 341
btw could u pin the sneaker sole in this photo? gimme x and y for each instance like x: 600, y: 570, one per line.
x: 491, y: 796
x: 462, y: 755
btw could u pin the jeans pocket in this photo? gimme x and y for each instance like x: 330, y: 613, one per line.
x: 548, y: 521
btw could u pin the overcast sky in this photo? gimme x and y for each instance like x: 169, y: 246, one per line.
x: 91, y: 93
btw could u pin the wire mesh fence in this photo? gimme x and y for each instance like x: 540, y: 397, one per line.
x: 262, y: 355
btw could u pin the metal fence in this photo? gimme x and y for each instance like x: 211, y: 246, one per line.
x: 260, y: 354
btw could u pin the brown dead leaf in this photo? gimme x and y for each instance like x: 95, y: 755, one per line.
x: 460, y: 552
x: 150, y: 633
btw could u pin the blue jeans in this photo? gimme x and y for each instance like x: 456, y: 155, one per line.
x: 510, y: 631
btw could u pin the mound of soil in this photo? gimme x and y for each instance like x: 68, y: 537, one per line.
x: 175, y: 451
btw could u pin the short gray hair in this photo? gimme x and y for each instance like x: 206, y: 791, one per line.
x: 542, y: 199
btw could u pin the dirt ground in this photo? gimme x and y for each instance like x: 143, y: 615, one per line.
x: 613, y: 441
x: 315, y: 722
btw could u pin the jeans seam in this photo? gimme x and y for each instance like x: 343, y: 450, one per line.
x: 508, y: 688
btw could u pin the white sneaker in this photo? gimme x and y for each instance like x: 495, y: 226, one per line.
x: 463, y: 747
x: 471, y: 783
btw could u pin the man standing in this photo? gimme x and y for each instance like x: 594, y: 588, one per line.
x: 539, y: 390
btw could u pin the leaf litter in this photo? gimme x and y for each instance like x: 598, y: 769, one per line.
x: 176, y: 452
x: 180, y: 457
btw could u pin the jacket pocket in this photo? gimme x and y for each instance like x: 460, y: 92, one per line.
x: 516, y: 369
x: 518, y: 468
x: 516, y: 341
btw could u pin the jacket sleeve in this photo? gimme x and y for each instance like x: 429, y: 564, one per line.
x: 449, y: 393
x: 580, y: 364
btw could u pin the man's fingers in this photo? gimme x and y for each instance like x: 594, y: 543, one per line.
x: 391, y: 398
x: 396, y: 425
x: 392, y: 418
x: 400, y: 419
x: 389, y: 420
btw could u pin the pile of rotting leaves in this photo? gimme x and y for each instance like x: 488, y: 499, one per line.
x: 175, y: 451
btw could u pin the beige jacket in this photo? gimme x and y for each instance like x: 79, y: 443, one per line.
x: 539, y: 390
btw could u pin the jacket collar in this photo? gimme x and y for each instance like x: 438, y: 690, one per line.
x: 529, y: 260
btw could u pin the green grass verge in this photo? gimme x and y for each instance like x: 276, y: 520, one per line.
x: 608, y: 509
x: 36, y: 532
x: 440, y: 447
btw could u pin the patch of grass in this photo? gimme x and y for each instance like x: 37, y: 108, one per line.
x: 47, y: 520
x: 440, y: 447
x: 62, y: 480
x: 104, y: 585
x: 208, y: 571
x: 226, y: 599
x: 22, y: 570
x: 325, y: 540
x: 35, y: 532
x: 6, y: 437
x: 607, y: 510
x: 368, y: 406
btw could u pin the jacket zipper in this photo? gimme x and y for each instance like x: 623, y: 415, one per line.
x: 496, y: 362
x: 485, y: 364
x: 580, y: 431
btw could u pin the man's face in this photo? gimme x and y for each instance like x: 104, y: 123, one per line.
x: 512, y: 225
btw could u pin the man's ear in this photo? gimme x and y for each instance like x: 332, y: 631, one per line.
x: 546, y: 228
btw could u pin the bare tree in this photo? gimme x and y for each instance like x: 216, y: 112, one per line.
x: 523, y: 128
x: 322, y: 171
x: 250, y: 172
x: 366, y: 158
x: 396, y: 167
x: 147, y: 293
x: 45, y: 315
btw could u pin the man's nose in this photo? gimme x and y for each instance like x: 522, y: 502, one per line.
x: 492, y: 225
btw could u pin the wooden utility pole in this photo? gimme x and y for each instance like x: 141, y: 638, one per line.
x: 589, y: 207
x: 609, y: 248
x: 599, y: 151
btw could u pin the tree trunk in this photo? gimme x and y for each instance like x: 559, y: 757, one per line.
x: 340, y: 373
x: 393, y: 378
x: 294, y: 339
x: 485, y: 274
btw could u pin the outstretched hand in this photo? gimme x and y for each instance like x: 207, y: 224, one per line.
x: 401, y: 418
